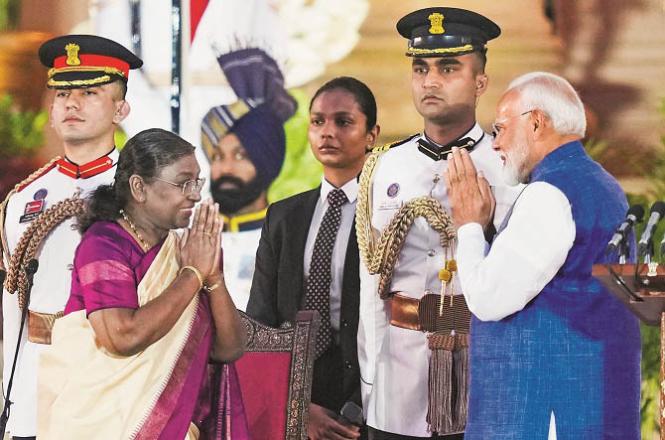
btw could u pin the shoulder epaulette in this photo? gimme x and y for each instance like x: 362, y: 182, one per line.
x: 36, y: 175
x: 386, y: 147
x: 4, y: 247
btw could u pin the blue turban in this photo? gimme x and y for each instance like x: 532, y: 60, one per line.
x: 257, y: 117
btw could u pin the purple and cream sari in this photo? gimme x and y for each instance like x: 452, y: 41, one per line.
x: 168, y: 391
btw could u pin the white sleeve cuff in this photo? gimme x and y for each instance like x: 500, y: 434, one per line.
x: 471, y: 241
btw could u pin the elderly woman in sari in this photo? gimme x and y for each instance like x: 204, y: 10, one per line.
x: 147, y: 311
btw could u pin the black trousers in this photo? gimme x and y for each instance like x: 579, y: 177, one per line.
x: 327, y: 380
x: 328, y: 377
x: 24, y: 438
x: 375, y: 434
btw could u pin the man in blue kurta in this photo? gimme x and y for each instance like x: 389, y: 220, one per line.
x: 553, y: 353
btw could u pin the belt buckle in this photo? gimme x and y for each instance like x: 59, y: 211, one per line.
x: 40, y: 326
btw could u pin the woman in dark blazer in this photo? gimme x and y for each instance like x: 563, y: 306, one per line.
x: 342, y: 130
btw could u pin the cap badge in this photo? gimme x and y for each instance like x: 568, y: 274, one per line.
x: 436, y: 23
x: 73, y: 54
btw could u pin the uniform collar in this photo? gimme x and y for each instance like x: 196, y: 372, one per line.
x: 350, y: 189
x: 90, y: 169
x: 244, y: 222
x: 437, y: 152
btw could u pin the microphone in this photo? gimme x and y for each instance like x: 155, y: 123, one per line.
x: 30, y: 271
x: 633, y: 216
x: 352, y: 413
x: 656, y: 214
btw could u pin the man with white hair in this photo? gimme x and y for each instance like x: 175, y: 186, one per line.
x: 552, y: 351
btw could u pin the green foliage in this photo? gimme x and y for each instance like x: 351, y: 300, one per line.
x: 650, y: 396
x: 21, y: 132
x: 9, y: 14
x: 119, y: 138
x: 656, y: 177
x: 595, y: 148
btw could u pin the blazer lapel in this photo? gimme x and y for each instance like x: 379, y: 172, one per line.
x: 298, y: 225
x: 351, y: 280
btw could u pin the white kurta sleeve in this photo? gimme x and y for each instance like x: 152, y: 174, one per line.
x: 524, y: 257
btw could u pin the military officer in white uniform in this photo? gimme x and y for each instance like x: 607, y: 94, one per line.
x: 89, y: 75
x: 447, y: 46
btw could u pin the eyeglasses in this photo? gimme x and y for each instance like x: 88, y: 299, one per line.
x: 498, y: 127
x: 189, y: 187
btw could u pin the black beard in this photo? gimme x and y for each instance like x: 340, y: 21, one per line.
x: 232, y: 200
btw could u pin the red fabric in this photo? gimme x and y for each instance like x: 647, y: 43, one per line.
x: 84, y: 171
x: 92, y: 60
x: 196, y: 10
x: 264, y: 382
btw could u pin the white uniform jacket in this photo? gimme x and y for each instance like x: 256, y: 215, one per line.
x: 52, y: 283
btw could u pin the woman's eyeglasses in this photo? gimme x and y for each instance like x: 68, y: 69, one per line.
x: 189, y: 187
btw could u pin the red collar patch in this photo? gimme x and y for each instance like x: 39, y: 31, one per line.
x: 84, y: 171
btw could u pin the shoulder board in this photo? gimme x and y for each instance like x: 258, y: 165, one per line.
x: 4, y: 248
x: 36, y: 175
x: 386, y: 147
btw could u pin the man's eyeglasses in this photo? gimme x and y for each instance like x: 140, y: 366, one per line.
x: 498, y: 127
x: 189, y: 187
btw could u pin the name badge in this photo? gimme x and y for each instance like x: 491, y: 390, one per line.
x: 35, y: 207
x: 389, y: 205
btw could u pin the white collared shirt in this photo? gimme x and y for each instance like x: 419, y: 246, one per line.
x: 350, y: 188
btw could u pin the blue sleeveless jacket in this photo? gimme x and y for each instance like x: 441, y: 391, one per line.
x: 574, y: 349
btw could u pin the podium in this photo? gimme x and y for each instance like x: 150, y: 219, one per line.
x: 642, y: 290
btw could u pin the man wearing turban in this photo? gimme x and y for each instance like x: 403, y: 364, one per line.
x: 245, y: 144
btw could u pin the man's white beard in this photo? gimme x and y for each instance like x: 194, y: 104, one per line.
x: 515, y: 161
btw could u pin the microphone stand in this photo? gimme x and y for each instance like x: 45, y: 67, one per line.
x: 624, y: 250
x: 30, y: 270
x: 645, y: 254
